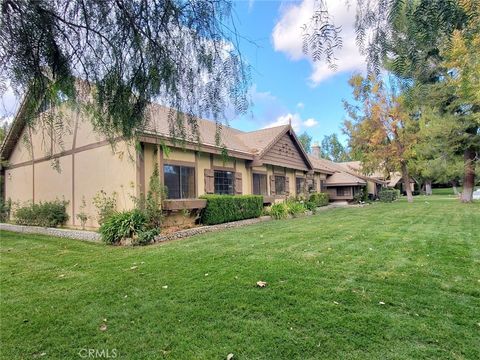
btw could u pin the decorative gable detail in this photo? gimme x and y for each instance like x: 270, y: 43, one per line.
x: 286, y: 152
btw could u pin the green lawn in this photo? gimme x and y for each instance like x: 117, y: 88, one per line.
x: 388, y: 281
x: 445, y: 191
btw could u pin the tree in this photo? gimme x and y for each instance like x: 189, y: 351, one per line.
x: 306, y: 141
x: 461, y: 97
x: 333, y: 149
x: 380, y: 128
x: 127, y: 54
x: 413, y: 39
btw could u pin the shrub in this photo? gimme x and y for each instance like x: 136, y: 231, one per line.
x: 106, y: 205
x: 225, y: 208
x: 387, y: 195
x: 122, y: 225
x: 5, y: 208
x: 279, y: 211
x: 310, y: 206
x: 47, y: 214
x: 361, y: 196
x: 295, y: 208
x: 153, y: 202
x: 82, y: 216
x: 319, y: 198
x: 146, y: 237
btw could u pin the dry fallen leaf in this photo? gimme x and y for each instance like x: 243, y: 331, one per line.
x: 103, y: 327
x: 133, y: 267
x: 61, y: 275
x: 164, y: 286
x: 336, y: 303
x: 230, y: 356
x: 381, y: 303
x: 261, y: 284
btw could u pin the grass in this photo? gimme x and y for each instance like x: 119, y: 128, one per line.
x: 445, y: 191
x: 387, y: 281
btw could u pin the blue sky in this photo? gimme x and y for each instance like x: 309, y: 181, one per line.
x: 286, y: 84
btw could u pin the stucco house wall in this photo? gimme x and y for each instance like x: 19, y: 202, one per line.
x: 44, y: 168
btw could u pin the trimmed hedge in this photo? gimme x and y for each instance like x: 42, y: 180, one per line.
x: 387, y: 195
x: 319, y: 198
x: 46, y: 214
x: 225, y: 208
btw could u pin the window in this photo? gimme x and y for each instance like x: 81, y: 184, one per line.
x: 260, y: 184
x: 300, y: 185
x: 279, y: 185
x: 224, y: 182
x: 180, y: 181
x: 343, y: 191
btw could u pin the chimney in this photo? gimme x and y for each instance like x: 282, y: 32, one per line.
x: 316, y: 150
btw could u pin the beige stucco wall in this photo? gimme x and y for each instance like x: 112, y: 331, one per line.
x: 371, y: 187
x: 203, y: 162
x: 105, y: 169
x: 179, y: 155
x: 51, y: 184
x: 19, y: 184
x: 221, y: 162
x: 23, y: 150
x: 75, y: 176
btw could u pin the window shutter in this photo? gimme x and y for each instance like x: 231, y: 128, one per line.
x: 272, y: 184
x: 238, y: 183
x: 209, y: 181
x: 287, y: 185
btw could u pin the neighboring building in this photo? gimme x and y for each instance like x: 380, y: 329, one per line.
x: 43, y: 165
x: 346, y: 181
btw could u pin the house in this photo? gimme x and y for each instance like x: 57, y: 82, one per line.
x: 76, y: 163
x: 346, y: 179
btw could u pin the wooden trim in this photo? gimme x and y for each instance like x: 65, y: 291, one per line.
x: 63, y: 153
x: 141, y: 168
x: 160, y: 164
x: 211, y: 161
x: 259, y: 172
x: 33, y: 165
x: 211, y: 149
x: 74, y: 144
x: 196, y: 173
x: 181, y: 204
x: 235, y: 164
x: 222, y: 168
x: 179, y: 163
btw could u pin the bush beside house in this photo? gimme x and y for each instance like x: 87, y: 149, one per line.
x: 387, y: 195
x: 225, y: 208
x: 46, y: 214
x: 319, y: 199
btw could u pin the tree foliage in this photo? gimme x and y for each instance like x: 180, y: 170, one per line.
x: 127, y: 54
x: 380, y: 127
x: 306, y: 141
x: 333, y: 149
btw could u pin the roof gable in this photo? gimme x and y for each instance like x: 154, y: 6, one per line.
x: 285, y: 150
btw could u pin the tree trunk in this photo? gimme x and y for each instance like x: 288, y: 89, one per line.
x: 469, y: 175
x: 428, y: 187
x: 406, y: 182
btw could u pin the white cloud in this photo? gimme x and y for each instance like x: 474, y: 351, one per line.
x: 300, y: 105
x: 296, y: 120
x: 287, y: 37
x: 310, y: 123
